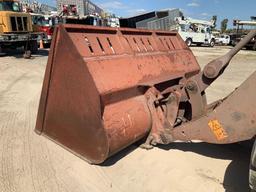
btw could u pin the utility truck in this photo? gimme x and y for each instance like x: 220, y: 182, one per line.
x: 194, y: 31
x: 16, y: 27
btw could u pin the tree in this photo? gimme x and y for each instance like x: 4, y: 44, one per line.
x: 224, y: 25
x: 214, y: 19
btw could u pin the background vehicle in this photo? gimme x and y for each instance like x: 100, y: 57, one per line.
x: 250, y: 45
x: 16, y: 27
x: 243, y: 27
x: 233, y: 37
x: 223, y: 40
x: 80, y: 12
x: 195, y: 31
x: 44, y: 24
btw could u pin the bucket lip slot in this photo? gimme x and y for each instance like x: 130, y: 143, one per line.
x: 130, y: 31
x: 105, y: 41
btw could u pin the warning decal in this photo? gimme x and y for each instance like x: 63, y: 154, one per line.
x: 217, y: 129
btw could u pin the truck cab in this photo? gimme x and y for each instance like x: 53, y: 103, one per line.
x: 13, y: 20
x: 241, y: 31
x: 45, y: 24
x: 16, y: 27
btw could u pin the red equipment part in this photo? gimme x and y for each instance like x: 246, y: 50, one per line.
x: 94, y: 98
x: 47, y: 30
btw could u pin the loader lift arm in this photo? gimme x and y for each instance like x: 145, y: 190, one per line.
x: 228, y: 121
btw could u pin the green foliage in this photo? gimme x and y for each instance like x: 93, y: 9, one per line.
x: 224, y: 25
x: 214, y: 18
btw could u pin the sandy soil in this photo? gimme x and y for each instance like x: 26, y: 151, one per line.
x: 29, y: 162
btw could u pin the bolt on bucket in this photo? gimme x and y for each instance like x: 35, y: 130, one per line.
x: 94, y: 98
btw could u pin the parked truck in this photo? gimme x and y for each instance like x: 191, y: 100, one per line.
x: 223, y: 39
x: 79, y: 12
x: 242, y: 28
x: 16, y: 27
x: 106, y: 88
x: 44, y: 24
x: 194, y: 31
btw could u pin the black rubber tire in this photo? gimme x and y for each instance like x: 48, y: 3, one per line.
x: 189, y: 42
x: 27, y: 54
x: 254, y: 47
x: 33, y: 46
x: 2, y: 53
x: 252, y: 170
x: 47, y: 45
x: 212, y: 43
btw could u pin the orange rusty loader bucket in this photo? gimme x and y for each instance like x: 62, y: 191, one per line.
x: 106, y: 88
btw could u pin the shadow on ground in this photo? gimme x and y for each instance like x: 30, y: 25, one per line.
x: 112, y: 160
x: 18, y: 53
x: 236, y: 175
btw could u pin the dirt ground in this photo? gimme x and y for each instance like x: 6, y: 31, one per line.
x: 29, y: 162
